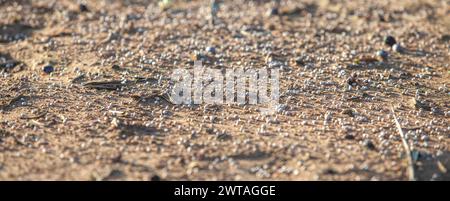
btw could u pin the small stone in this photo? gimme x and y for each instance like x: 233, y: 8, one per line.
x: 383, y: 55
x: 273, y: 11
x: 196, y: 56
x: 328, y: 116
x: 389, y: 41
x: 223, y: 137
x: 348, y: 112
x: 155, y: 178
x: 299, y: 61
x: 48, y: 69
x: 369, y: 144
x: 381, y: 17
x: 349, y: 137
x: 425, y: 138
x: 352, y: 80
x: 418, y: 104
x: 329, y: 171
x: 445, y: 37
x: 166, y: 113
x: 115, y: 174
x: 115, y: 67
x: 397, y: 48
x: 83, y: 7
x: 211, y: 50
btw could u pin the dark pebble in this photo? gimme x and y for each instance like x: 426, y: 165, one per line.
x: 329, y: 171
x: 9, y: 65
x: 83, y: 8
x: 389, y: 41
x: 352, y: 80
x: 348, y: 112
x: 299, y: 61
x: 48, y: 69
x: 115, y: 67
x: 381, y: 17
x: 198, y: 57
x: 383, y: 55
x: 115, y: 174
x: 397, y: 48
x: 273, y: 11
x: 369, y: 144
x: 349, y: 137
x: 211, y: 50
x: 224, y: 136
x: 445, y: 38
x: 155, y: 178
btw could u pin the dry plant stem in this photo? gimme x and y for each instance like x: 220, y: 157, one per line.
x: 411, y: 173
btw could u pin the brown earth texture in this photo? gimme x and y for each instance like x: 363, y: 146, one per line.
x: 84, y: 90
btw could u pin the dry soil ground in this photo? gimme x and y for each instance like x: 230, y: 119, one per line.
x: 61, y: 126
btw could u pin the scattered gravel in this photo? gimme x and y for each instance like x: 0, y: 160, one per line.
x: 107, y: 94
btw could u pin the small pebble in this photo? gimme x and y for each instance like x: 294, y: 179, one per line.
x: 155, y: 178
x: 349, y: 137
x: 383, y: 55
x: 211, y: 50
x: 329, y: 171
x: 352, y: 81
x: 48, y: 69
x: 389, y: 41
x: 273, y: 12
x: 397, y: 48
x: 83, y: 7
x: 369, y: 144
x: 299, y: 61
x: 115, y: 67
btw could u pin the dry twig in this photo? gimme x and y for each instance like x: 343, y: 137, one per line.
x: 411, y: 173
